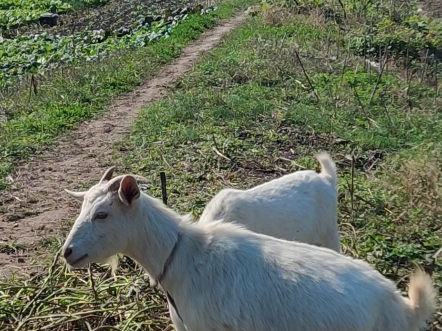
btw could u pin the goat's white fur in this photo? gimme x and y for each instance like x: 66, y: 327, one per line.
x: 225, y: 277
x: 300, y: 206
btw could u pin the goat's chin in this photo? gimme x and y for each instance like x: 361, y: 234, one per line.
x: 83, y: 261
x: 78, y: 263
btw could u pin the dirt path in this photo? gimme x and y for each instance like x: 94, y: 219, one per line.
x: 37, y: 204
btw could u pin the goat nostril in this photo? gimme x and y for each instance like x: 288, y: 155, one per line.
x: 67, y: 252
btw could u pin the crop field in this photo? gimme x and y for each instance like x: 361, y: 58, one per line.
x: 358, y: 79
x: 17, y: 13
x: 34, y: 53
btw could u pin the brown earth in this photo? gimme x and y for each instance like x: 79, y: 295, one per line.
x: 432, y: 7
x: 37, y: 205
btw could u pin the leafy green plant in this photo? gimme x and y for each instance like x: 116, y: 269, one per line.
x: 409, y: 39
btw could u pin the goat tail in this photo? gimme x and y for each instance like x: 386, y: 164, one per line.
x: 422, y: 298
x: 328, y: 167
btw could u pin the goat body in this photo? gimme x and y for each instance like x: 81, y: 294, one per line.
x: 300, y: 206
x: 224, y: 277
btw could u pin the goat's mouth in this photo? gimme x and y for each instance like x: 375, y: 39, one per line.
x: 79, y: 262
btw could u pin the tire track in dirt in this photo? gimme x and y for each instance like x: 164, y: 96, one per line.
x: 36, y: 205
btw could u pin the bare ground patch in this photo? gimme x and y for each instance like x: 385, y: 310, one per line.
x: 432, y: 7
x: 36, y: 206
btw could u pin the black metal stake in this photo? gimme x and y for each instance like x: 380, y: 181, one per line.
x: 163, y: 187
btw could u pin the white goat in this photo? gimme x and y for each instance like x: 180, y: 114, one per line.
x: 220, y: 276
x: 300, y: 206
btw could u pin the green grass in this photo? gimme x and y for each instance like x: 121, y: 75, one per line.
x: 261, y: 105
x: 71, y: 95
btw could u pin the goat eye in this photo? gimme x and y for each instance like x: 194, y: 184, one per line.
x: 101, y: 216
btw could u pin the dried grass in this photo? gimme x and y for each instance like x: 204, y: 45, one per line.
x: 421, y: 180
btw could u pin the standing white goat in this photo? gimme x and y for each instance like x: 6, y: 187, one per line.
x: 221, y: 276
x: 300, y: 206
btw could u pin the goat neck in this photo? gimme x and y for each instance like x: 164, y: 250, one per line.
x: 155, y: 237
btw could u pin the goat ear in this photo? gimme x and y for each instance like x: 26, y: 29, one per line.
x: 107, y: 175
x: 129, y: 190
x: 77, y: 195
x: 114, y: 184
